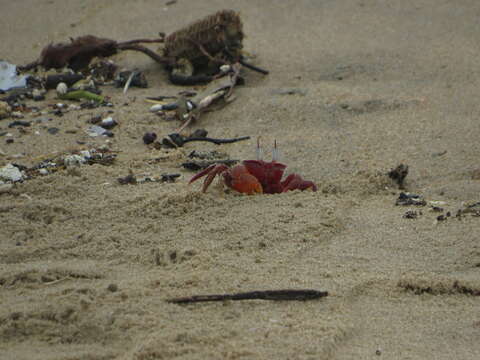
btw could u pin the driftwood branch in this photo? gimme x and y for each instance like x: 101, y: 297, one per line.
x: 278, y: 295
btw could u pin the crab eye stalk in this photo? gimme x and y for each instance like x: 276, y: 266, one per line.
x: 275, y: 152
x: 258, y: 150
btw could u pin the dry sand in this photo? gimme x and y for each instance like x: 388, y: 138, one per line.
x: 386, y: 82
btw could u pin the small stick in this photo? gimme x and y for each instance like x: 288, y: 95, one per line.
x: 216, y: 141
x: 159, y: 59
x: 137, y: 41
x: 278, y: 295
x: 129, y: 81
x: 253, y: 67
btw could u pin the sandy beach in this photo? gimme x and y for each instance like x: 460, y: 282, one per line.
x: 355, y: 88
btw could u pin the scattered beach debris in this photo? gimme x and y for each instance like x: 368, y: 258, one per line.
x: 68, y: 78
x: 130, y: 179
x: 133, y: 179
x: 444, y: 217
x: 399, y: 174
x: 136, y: 77
x: 9, y: 79
x: 190, y: 108
x: 203, y: 46
x: 202, y: 160
x: 74, y: 160
x: 411, y: 214
x: 420, y: 284
x: 408, y: 199
x: 96, y: 130
x: 470, y: 209
x: 276, y: 295
x: 102, y: 70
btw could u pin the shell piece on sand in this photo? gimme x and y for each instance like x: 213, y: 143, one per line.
x: 9, y: 78
x: 10, y: 173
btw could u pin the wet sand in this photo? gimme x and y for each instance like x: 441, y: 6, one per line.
x: 86, y: 263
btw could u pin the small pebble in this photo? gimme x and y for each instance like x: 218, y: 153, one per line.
x: 53, y: 130
x: 10, y: 141
x: 149, y: 137
x: 38, y: 95
x: 108, y: 123
x: 43, y: 171
x: 42, y: 120
x: 17, y: 114
x: 112, y: 287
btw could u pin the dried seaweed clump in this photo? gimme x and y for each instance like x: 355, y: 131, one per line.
x: 214, y: 34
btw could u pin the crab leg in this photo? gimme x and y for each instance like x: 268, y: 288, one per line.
x: 211, y: 172
x: 295, y: 181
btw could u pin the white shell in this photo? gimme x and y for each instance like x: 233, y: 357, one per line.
x: 156, y: 108
x: 62, y: 88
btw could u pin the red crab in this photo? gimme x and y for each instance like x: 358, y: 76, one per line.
x: 255, y: 176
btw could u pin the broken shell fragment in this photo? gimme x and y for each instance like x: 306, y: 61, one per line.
x: 156, y: 108
x: 73, y: 160
x: 95, y: 131
x: 10, y: 173
x: 62, y: 89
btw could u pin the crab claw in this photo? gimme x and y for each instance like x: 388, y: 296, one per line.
x: 295, y: 181
x: 211, y: 172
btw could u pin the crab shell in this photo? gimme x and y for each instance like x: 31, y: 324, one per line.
x: 255, y: 176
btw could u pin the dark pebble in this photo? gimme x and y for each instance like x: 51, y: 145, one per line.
x: 96, y: 119
x: 129, y: 179
x: 10, y: 141
x: 112, y: 287
x: 149, y: 137
x: 53, y: 130
x: 108, y: 123
x: 39, y: 97
x: 19, y: 123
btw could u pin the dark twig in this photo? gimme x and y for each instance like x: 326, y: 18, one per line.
x: 253, y: 67
x: 138, y: 41
x: 159, y: 59
x: 278, y: 295
x: 216, y: 141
